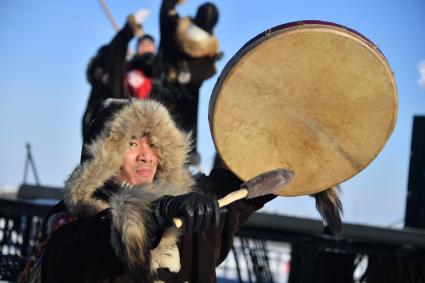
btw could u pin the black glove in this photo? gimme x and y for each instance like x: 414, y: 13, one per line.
x: 196, y: 210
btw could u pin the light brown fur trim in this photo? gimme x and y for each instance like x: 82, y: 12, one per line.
x: 130, y: 222
x: 129, y: 227
x: 89, y: 176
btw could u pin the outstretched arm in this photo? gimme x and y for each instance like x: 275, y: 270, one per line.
x: 168, y: 19
x: 168, y: 6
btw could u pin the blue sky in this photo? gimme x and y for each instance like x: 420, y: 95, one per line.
x: 46, y: 45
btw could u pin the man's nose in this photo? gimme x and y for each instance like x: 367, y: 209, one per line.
x: 145, y: 154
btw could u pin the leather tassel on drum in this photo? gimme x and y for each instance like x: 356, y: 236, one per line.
x: 329, y: 206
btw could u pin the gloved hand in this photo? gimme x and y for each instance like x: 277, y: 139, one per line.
x: 196, y: 210
x: 135, y: 26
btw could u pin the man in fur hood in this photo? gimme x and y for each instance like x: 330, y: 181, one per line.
x: 115, y: 222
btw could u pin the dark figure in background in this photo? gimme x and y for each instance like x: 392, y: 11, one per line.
x: 145, y: 45
x: 187, y: 53
x: 110, y: 74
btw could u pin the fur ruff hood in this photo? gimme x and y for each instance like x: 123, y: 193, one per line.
x: 135, y: 118
x: 130, y: 206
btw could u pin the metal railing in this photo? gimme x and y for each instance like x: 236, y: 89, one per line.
x: 20, y: 222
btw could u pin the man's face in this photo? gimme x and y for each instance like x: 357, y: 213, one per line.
x: 146, y: 46
x: 140, y: 162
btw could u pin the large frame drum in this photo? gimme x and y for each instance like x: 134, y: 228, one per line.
x: 314, y: 97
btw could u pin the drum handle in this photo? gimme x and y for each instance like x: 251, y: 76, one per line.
x: 228, y: 199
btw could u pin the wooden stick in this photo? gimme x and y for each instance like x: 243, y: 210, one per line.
x: 228, y: 199
x: 233, y: 196
x: 109, y: 15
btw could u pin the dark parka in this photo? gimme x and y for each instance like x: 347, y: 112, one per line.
x: 113, y: 236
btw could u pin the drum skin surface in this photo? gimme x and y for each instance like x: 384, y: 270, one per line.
x: 314, y: 97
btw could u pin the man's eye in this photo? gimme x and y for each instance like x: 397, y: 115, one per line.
x: 133, y: 144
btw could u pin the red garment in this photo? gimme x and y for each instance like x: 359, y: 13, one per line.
x: 138, y: 84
